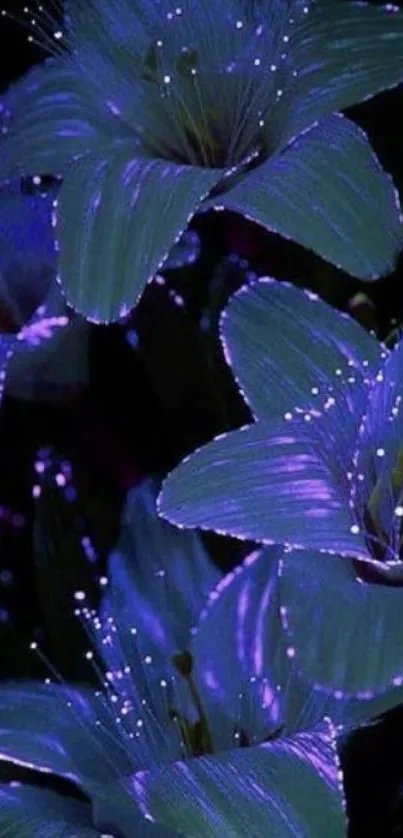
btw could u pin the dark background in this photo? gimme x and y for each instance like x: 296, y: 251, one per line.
x: 144, y: 409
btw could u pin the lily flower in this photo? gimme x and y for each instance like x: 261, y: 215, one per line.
x: 183, y: 736
x: 151, y: 112
x: 318, y: 471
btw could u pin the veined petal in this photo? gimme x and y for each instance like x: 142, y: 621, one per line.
x: 131, y: 211
x: 239, y: 649
x: 292, y: 353
x: 253, y: 679
x: 286, y: 195
x: 271, y: 482
x: 160, y: 577
x: 116, y: 811
x: 333, y: 54
x: 159, y: 581
x: 345, y: 634
x: 48, y: 118
x: 109, y: 42
x: 284, y: 789
x: 58, y: 730
x: 31, y: 812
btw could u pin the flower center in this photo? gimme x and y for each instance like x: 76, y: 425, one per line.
x: 196, y: 736
x: 210, y: 92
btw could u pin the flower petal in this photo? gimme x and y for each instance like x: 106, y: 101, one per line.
x: 325, y: 191
x: 345, y: 634
x: 131, y: 213
x: 332, y: 50
x: 284, y: 789
x: 291, y: 352
x: 160, y: 577
x: 30, y: 812
x: 270, y: 482
x: 239, y: 650
x: 48, y: 118
x: 159, y: 581
x: 252, y: 677
x: 57, y: 730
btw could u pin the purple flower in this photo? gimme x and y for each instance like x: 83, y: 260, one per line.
x: 318, y: 471
x: 183, y: 735
x: 152, y: 111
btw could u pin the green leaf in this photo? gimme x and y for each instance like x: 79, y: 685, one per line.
x: 271, y: 482
x: 131, y: 211
x: 47, y: 118
x: 346, y: 634
x: 282, y: 789
x: 343, y: 53
x: 30, y: 812
x: 326, y: 191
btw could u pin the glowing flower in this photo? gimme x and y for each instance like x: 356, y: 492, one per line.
x: 182, y: 738
x: 320, y: 471
x: 151, y: 111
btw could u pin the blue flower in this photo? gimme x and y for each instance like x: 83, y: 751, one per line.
x: 152, y: 111
x: 319, y: 471
x: 182, y: 738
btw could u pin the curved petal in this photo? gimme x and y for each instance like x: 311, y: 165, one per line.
x: 284, y: 789
x: 271, y: 482
x: 131, y: 212
x: 291, y: 352
x: 57, y: 730
x: 332, y: 52
x: 241, y: 666
x: 160, y: 577
x: 283, y: 342
x: 325, y: 191
x: 345, y: 635
x: 48, y: 118
x: 31, y: 812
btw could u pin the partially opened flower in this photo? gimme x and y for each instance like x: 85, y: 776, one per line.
x: 151, y: 111
x: 182, y: 738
